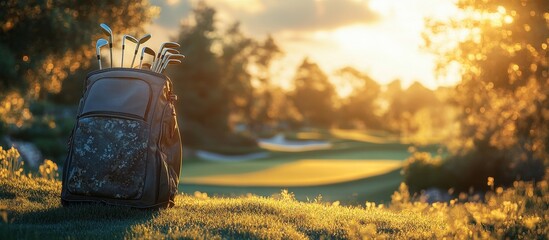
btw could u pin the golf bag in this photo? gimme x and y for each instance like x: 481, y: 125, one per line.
x: 125, y: 148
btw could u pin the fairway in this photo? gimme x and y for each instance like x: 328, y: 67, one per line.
x: 306, y: 172
x: 351, y: 172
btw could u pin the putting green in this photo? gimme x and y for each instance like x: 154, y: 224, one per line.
x: 306, y: 172
x: 362, y: 136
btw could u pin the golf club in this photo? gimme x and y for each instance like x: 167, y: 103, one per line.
x: 165, y: 45
x: 160, y: 61
x: 100, y: 43
x: 107, y: 30
x: 131, y: 38
x: 149, y: 51
x: 141, y: 40
x: 170, y: 62
x: 146, y: 66
x: 167, y: 57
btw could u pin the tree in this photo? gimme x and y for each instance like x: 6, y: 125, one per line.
x: 313, y: 95
x: 362, y: 104
x: 235, y: 61
x: 216, y: 83
x: 262, y: 111
x: 203, y: 101
x: 504, y: 88
x: 42, y: 43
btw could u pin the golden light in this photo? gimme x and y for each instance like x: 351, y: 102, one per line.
x: 508, y: 19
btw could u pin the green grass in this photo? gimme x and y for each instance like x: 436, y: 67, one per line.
x: 30, y: 209
x: 378, y: 188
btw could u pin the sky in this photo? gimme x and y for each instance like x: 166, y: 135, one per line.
x: 381, y: 38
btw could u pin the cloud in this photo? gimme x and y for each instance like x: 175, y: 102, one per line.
x: 305, y: 15
x: 171, y: 12
x: 270, y: 16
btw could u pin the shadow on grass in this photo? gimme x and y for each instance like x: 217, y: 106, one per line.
x: 89, y: 221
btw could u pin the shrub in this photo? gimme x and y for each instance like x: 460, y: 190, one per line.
x: 10, y: 163
x: 48, y: 170
x: 422, y: 171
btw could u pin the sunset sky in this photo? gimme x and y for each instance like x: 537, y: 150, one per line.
x: 381, y: 38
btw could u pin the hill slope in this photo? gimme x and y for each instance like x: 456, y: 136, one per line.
x: 30, y: 209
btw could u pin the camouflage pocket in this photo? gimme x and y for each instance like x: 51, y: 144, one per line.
x: 109, y: 157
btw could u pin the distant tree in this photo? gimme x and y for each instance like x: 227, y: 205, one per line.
x: 503, y: 92
x: 246, y: 64
x: 417, y: 97
x: 361, y: 105
x: 393, y: 116
x: 263, y: 110
x: 313, y: 95
x: 203, y: 101
x: 405, y: 104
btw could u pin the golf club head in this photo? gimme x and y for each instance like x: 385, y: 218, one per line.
x: 170, y: 62
x: 162, y: 57
x: 107, y: 30
x: 149, y: 51
x: 165, y: 61
x: 132, y: 39
x: 129, y: 37
x: 139, y: 42
x: 167, y: 45
x: 98, y: 45
x: 145, y: 38
x: 177, y: 56
x: 146, y: 66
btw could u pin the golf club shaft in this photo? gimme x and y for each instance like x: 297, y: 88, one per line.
x: 134, y: 54
x: 110, y: 46
x: 122, y: 62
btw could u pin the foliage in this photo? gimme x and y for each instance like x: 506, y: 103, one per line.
x: 48, y: 170
x: 48, y: 129
x: 512, y: 213
x: 203, y: 104
x: 362, y: 104
x: 34, y: 38
x: 11, y: 165
x: 422, y: 171
x: 313, y: 95
x: 502, y: 97
x: 216, y: 83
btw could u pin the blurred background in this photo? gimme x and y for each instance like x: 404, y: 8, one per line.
x: 335, y: 100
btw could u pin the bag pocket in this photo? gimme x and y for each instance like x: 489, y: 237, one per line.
x: 109, y: 157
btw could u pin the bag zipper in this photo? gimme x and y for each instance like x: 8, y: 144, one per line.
x: 112, y: 114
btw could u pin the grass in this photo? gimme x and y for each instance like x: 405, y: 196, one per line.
x: 305, y: 172
x: 30, y: 209
x: 367, y: 183
x: 374, y: 189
